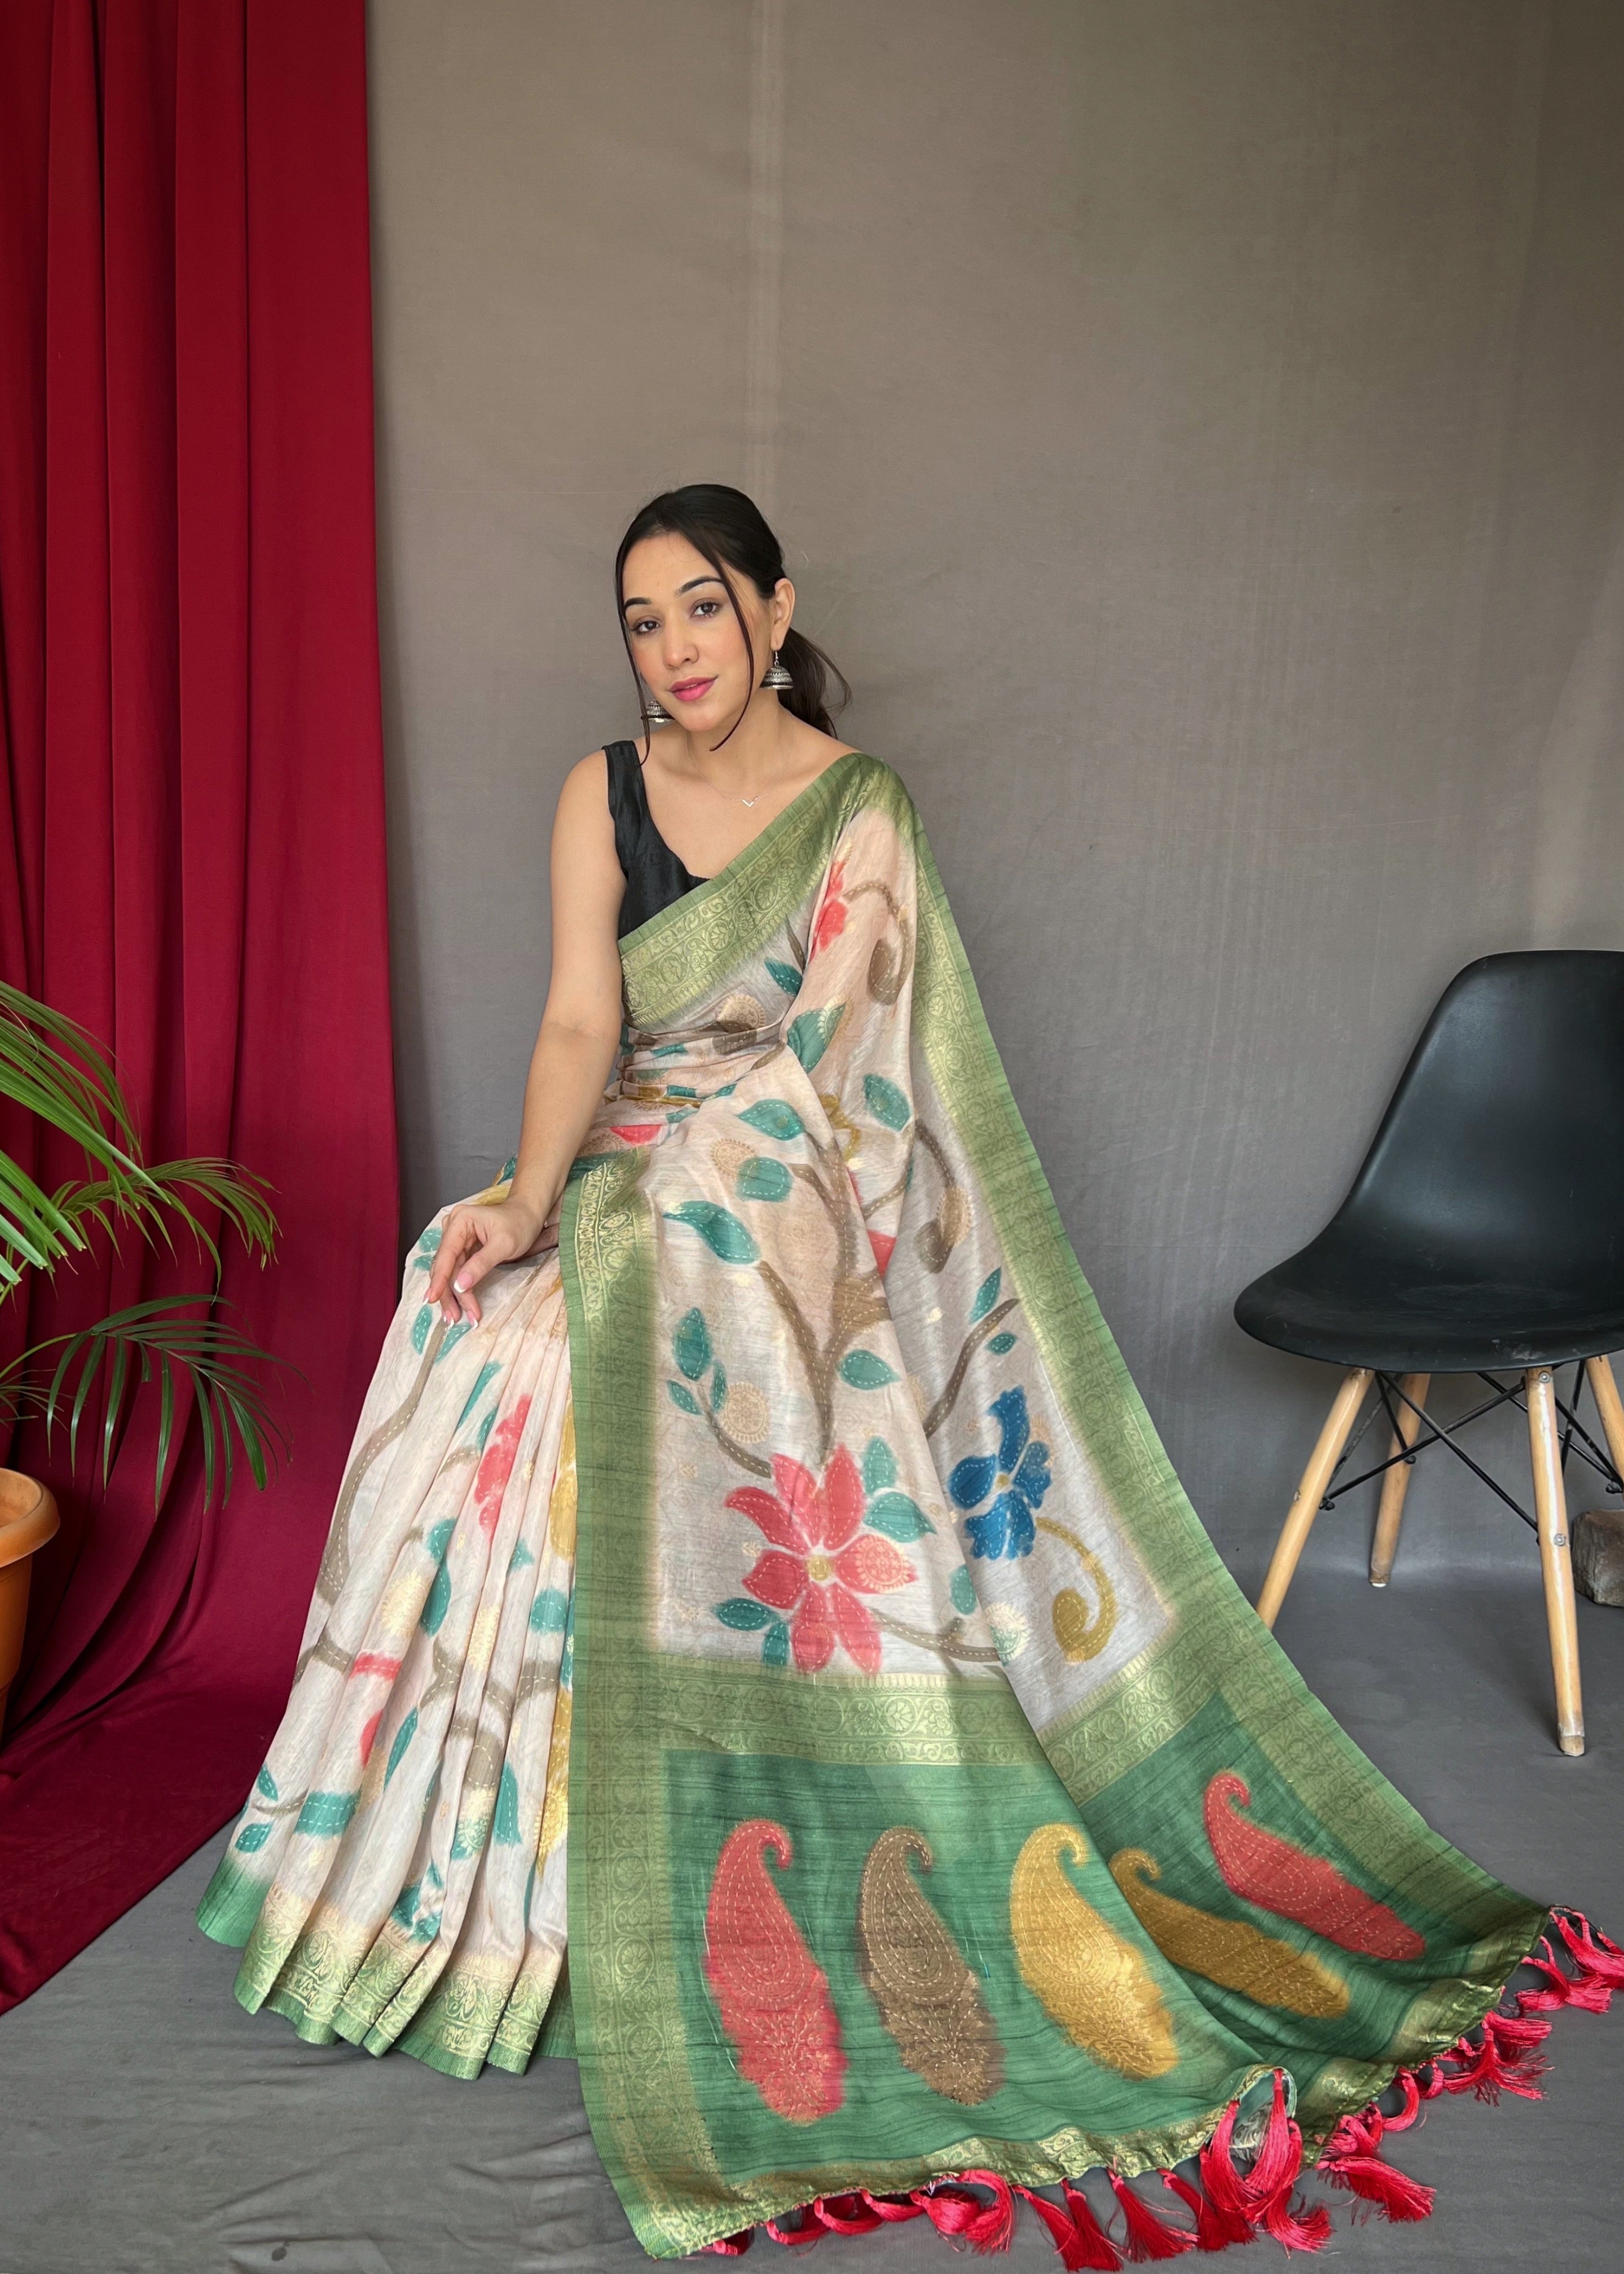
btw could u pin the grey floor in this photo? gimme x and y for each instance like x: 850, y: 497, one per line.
x: 148, y: 2123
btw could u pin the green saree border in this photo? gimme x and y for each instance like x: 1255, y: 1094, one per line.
x: 685, y: 951
x: 231, y: 1901
x: 631, y: 2039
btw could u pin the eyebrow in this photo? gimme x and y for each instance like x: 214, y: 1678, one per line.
x: 691, y: 584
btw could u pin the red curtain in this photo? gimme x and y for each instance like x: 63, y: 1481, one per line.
x: 191, y: 857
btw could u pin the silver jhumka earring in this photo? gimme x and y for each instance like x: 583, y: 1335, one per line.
x: 653, y: 715
x: 778, y: 674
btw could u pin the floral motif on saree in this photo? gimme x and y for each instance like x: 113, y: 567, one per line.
x: 782, y: 1603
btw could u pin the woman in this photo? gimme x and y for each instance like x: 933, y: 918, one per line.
x: 758, y: 1579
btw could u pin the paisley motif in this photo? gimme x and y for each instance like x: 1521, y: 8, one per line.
x: 773, y: 1994
x: 1083, y: 1973
x: 1229, y: 1952
x: 928, y: 1997
x: 1282, y: 1877
x: 562, y: 1506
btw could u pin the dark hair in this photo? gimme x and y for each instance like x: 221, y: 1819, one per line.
x: 726, y: 528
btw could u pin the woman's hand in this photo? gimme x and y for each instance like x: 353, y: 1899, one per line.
x: 474, y: 1241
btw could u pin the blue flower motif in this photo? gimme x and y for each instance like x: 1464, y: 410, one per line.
x: 1018, y: 1473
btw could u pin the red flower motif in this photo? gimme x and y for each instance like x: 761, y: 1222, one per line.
x: 497, y: 1466
x: 818, y: 1564
x: 831, y: 916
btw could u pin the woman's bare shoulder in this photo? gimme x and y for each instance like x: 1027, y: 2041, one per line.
x: 583, y: 800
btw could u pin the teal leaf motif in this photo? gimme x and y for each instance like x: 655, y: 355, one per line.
x: 718, y: 1227
x: 550, y: 1611
x: 886, y: 1101
x: 761, y: 1179
x: 265, y: 1785
x: 683, y: 1399
x: 961, y: 1587
x: 690, y: 1345
x: 775, y: 1116
x: 251, y: 1837
x: 403, y: 1737
x: 879, y: 1465
x: 718, y: 1387
x: 420, y: 1327
x: 897, y: 1516
x: 485, y: 1427
x: 784, y: 976
x: 986, y: 1295
x: 487, y: 1373
x: 520, y: 1557
x: 324, y: 1813
x: 436, y: 1539
x: 506, y: 1828
x: 744, y: 1613
x: 472, y: 1832
x: 861, y: 1369
x: 1000, y: 1343
x: 439, y: 1602
x: 453, y: 1335
x: 810, y: 1035
x: 510, y: 1168
x: 775, y: 1645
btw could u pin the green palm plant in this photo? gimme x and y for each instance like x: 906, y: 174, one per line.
x: 56, y: 1072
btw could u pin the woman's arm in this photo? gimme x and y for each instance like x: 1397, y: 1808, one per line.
x: 574, y: 1049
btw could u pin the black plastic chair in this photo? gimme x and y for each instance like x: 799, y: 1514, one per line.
x: 1485, y: 1231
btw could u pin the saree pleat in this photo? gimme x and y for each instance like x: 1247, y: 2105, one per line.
x: 393, y: 1874
x: 936, y: 1805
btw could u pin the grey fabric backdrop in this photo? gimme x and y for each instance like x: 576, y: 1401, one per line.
x: 1195, y: 427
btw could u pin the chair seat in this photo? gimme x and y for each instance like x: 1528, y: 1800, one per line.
x: 1398, y: 1315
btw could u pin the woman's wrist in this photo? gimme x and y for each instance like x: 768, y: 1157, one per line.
x: 533, y: 1199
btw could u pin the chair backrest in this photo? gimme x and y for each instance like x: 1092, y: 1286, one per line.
x: 1504, y: 1141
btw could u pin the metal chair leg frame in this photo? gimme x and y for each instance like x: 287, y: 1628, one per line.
x: 1306, y: 1502
x: 1395, y: 1484
x: 1555, y: 1557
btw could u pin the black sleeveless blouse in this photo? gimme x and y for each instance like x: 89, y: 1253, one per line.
x: 654, y: 876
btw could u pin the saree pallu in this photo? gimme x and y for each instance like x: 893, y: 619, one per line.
x: 772, y: 1658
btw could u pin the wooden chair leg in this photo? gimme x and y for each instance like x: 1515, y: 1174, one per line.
x: 1604, y: 1390
x: 1305, y: 1501
x: 1556, y: 1560
x: 1395, y: 1484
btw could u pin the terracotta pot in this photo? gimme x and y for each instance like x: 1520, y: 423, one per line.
x: 27, y: 1519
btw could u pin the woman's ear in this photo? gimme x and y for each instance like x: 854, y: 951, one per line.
x: 781, y: 612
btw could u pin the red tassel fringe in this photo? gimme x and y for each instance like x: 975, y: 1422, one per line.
x: 1230, y: 2206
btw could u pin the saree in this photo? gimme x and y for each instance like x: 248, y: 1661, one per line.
x: 771, y: 1659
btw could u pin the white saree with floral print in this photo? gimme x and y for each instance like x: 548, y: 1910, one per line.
x: 770, y: 1659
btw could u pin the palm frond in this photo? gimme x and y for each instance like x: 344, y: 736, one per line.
x: 52, y: 1067
x: 164, y: 1192
x: 54, y: 1070
x: 33, y: 1225
x: 39, y: 1048
x: 161, y: 1336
